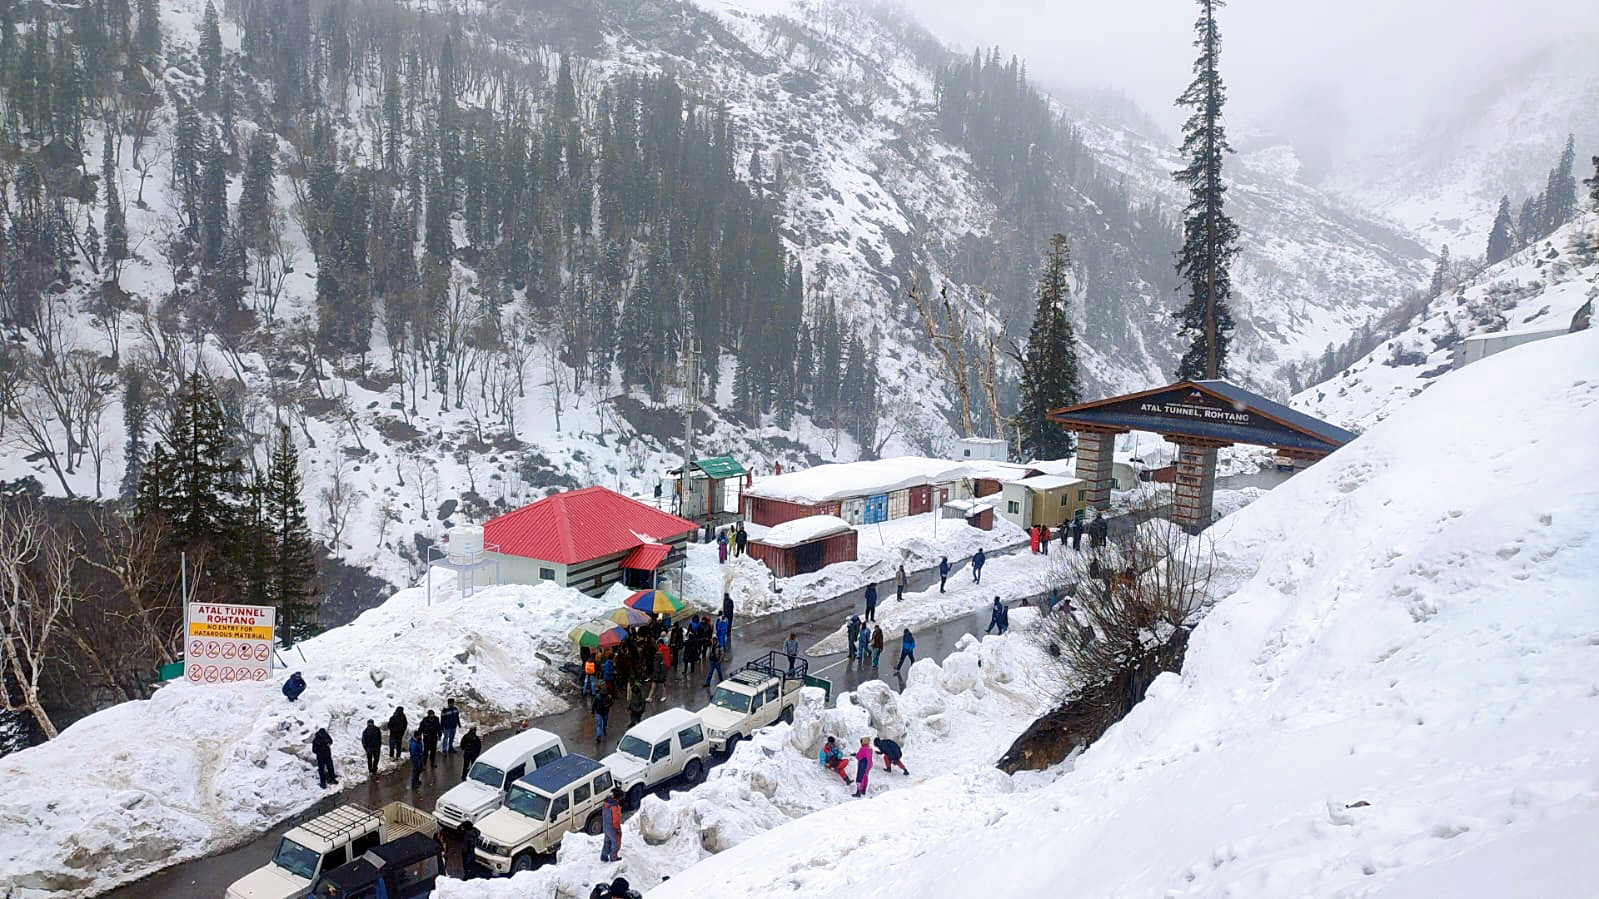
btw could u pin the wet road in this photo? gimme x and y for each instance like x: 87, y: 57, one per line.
x: 209, y: 877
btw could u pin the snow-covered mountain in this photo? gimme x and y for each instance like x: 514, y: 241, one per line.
x: 841, y: 104
x: 1491, y: 129
x: 1539, y: 288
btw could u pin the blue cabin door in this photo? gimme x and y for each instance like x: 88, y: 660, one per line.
x: 876, y: 508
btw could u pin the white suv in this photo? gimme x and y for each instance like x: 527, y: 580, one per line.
x: 760, y: 693
x: 658, y: 749
x: 541, y: 808
x: 491, y: 776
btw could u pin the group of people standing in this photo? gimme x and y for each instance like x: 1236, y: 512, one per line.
x: 833, y: 759
x: 1098, y: 530
x: 864, y: 642
x: 736, y: 539
x: 434, y: 732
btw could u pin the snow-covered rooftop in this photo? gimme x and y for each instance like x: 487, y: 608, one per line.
x: 1048, y: 482
x: 803, y: 530
x: 826, y: 483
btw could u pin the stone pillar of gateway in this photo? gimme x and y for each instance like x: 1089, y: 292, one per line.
x: 1194, y: 492
x: 1096, y: 465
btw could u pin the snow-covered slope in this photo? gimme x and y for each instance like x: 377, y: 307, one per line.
x: 1537, y: 289
x: 1396, y: 693
x: 1493, y: 128
x: 195, y: 769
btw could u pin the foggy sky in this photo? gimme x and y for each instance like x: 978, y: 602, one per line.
x: 1377, y: 59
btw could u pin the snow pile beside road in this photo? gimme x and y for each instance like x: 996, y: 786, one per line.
x: 194, y: 769
x: 917, y: 542
x: 953, y: 722
x: 1398, y: 693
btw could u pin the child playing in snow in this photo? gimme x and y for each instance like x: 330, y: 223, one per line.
x: 832, y: 758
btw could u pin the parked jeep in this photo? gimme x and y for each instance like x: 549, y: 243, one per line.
x: 541, y: 808
x: 404, y: 869
x: 492, y: 775
x: 657, y: 749
x: 327, y: 842
x: 761, y: 692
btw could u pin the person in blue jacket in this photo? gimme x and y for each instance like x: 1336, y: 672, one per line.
x: 417, y: 757
x: 863, y: 646
x: 294, y: 686
x: 977, y: 566
x: 994, y: 616
x: 907, y: 649
x: 871, y: 603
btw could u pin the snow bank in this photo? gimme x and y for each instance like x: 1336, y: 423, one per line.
x: 198, y: 768
x: 774, y: 779
x: 1397, y: 694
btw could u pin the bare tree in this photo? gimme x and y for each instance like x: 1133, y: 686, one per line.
x: 339, y: 500
x: 36, y: 591
x: 1136, y: 600
x: 949, y: 338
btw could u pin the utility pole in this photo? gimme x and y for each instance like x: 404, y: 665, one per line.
x: 691, y: 398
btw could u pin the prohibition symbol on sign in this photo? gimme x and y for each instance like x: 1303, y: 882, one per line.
x: 228, y: 674
x: 212, y: 649
x: 260, y: 674
x: 196, y: 648
x: 261, y: 653
x: 211, y: 674
x: 229, y: 650
x: 195, y: 673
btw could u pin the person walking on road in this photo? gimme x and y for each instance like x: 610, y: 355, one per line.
x: 899, y: 585
x: 853, y: 630
x: 863, y: 647
x: 418, y: 755
x: 724, y: 632
x: 871, y: 602
x: 1077, y: 534
x: 993, y: 617
x: 322, y: 748
x: 450, y: 722
x: 713, y: 667
x: 602, y: 713
x: 660, y: 661
x: 907, y: 650
x: 943, y: 572
x: 372, y: 743
x: 863, y: 764
x: 430, y: 729
x: 471, y: 748
x: 977, y: 565
x: 397, y: 725
x: 877, y: 646
x: 611, y: 826
x: 635, y: 702
x: 727, y: 608
x: 721, y: 547
x: 743, y: 538
x: 892, y: 755
x: 791, y: 649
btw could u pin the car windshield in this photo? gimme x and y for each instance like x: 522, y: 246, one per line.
x: 487, y: 774
x: 634, y: 746
x: 727, y: 699
x: 296, y: 859
x: 529, y: 803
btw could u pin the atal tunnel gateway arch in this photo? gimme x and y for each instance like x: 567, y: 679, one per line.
x: 1200, y: 417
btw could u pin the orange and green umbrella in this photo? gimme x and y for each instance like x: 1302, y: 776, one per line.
x: 597, y: 634
x: 626, y: 617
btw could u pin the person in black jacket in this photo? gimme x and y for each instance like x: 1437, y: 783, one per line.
x: 891, y: 755
x: 397, y: 727
x: 430, y: 729
x: 871, y: 603
x: 372, y: 742
x: 322, y: 748
x: 602, y: 712
x: 449, y: 721
x: 471, y: 746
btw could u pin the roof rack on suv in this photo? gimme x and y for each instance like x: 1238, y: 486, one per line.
x: 775, y: 664
x: 340, y: 821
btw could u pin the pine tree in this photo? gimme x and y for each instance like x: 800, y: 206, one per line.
x: 1049, y: 368
x: 292, y: 581
x: 115, y: 225
x: 1560, y: 193
x: 195, y: 481
x: 394, y: 124
x: 1593, y: 184
x: 1502, y: 239
x: 211, y: 56
x: 256, y: 209
x: 1529, y: 221
x: 1210, y: 237
x: 147, y: 39
x: 1440, y: 274
x: 213, y: 203
x: 135, y: 419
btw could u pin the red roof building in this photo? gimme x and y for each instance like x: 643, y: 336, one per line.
x: 587, y: 539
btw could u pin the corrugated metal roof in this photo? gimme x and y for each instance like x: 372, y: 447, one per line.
x: 720, y: 467
x: 647, y: 557
x: 1288, y: 416
x: 580, y: 525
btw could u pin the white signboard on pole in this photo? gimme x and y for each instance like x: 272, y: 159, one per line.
x: 228, y: 643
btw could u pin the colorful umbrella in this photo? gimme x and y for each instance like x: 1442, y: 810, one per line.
x: 658, y: 601
x: 597, y: 634
x: 627, y: 617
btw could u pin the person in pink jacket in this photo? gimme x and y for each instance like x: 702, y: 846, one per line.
x: 863, y: 765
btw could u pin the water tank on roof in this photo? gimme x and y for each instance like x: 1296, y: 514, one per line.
x: 465, y: 543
